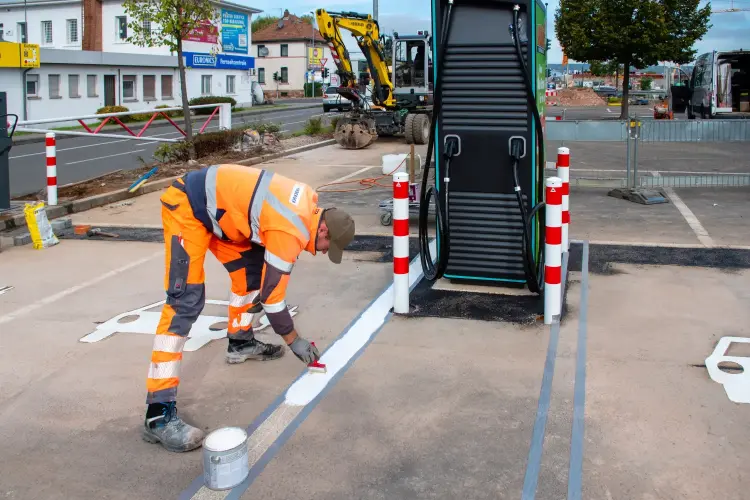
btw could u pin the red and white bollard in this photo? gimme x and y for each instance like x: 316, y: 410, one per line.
x: 553, y: 250
x: 401, y: 243
x: 563, y: 172
x: 51, y: 169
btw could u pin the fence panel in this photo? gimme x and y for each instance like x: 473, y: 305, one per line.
x: 695, y: 130
x: 586, y: 130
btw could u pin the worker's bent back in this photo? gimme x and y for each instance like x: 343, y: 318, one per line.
x: 239, y: 203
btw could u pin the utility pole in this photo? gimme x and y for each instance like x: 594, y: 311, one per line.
x: 312, y: 25
x: 375, y: 9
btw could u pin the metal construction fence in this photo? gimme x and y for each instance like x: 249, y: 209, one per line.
x: 638, y: 134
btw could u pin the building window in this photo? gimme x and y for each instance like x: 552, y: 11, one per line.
x: 284, y: 50
x: 46, y: 32
x: 22, y: 36
x: 32, y: 85
x: 230, y: 84
x: 284, y: 74
x: 128, y: 87
x: 91, y: 86
x: 121, y: 27
x: 206, y: 84
x: 72, y: 31
x: 149, y: 88
x: 261, y: 75
x: 54, y: 86
x: 147, y: 27
x: 73, y: 86
x: 166, y: 87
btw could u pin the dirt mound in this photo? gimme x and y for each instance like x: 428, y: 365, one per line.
x: 579, y: 97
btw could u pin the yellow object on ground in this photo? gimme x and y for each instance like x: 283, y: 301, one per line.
x: 39, y: 227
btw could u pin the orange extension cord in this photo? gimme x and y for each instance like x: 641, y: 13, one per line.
x: 366, y: 183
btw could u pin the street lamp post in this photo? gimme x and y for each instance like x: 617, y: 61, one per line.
x: 312, y: 24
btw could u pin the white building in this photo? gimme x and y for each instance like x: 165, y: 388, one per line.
x: 285, y: 48
x: 91, y: 64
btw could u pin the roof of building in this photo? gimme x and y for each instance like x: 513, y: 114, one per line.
x: 223, y: 3
x: 289, y: 28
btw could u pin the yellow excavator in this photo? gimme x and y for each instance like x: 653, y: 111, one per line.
x: 401, y: 109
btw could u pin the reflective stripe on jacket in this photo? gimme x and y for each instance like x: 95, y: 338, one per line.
x: 239, y: 203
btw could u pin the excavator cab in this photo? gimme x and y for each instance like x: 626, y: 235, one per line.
x: 412, y: 70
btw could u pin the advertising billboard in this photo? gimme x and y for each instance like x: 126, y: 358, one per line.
x: 206, y: 33
x: 19, y: 55
x: 234, y: 32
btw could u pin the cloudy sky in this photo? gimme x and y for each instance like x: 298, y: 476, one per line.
x: 729, y: 31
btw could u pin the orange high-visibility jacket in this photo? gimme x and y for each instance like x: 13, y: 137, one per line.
x: 242, y: 204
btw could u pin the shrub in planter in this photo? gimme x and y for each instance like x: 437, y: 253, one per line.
x: 115, y: 109
x: 210, y: 99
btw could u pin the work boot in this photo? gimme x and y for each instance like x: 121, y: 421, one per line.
x: 240, y: 351
x: 162, y: 425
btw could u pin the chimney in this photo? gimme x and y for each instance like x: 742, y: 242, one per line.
x: 92, y: 25
x: 286, y: 14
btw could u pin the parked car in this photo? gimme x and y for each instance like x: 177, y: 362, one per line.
x: 332, y: 100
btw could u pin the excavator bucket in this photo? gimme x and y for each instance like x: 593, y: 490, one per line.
x: 355, y: 132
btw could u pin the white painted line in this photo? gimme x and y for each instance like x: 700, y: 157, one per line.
x: 68, y: 291
x: 349, y: 176
x: 657, y: 244
x: 689, y: 216
x: 102, y: 157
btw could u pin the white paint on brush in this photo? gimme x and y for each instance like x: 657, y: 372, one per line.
x: 307, y: 387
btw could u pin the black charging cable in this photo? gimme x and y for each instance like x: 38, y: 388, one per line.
x: 433, y: 271
x: 533, y: 267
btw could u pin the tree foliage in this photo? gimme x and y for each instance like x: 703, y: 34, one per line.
x: 166, y: 23
x: 262, y: 22
x: 646, y: 82
x: 636, y: 33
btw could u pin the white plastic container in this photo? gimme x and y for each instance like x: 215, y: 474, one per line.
x: 396, y: 163
x: 225, y: 458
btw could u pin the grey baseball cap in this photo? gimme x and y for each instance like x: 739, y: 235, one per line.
x: 340, y: 231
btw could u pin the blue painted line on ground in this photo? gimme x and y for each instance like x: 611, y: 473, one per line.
x: 258, y: 467
x: 533, y: 464
x: 575, y: 473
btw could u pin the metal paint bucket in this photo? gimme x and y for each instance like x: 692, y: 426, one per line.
x: 225, y: 458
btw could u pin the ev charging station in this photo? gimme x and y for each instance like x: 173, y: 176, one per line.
x: 488, y: 138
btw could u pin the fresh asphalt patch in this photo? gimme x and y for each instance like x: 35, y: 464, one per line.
x: 602, y: 257
x: 371, y: 244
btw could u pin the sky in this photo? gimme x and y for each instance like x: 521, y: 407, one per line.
x: 729, y: 30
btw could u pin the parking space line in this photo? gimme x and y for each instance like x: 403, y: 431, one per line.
x: 689, y: 216
x: 73, y: 289
x: 533, y: 464
x: 102, y: 157
x: 575, y: 471
x: 278, y: 422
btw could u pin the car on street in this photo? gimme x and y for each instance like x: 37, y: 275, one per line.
x: 332, y: 100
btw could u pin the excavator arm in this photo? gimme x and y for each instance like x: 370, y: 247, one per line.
x: 366, y: 32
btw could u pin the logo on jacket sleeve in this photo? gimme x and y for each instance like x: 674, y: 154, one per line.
x: 296, y: 196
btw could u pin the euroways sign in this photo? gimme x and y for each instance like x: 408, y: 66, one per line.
x: 218, y: 61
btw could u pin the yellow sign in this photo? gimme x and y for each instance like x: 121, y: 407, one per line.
x: 29, y: 55
x: 19, y: 55
x: 314, y: 56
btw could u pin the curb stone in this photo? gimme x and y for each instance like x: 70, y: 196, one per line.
x: 76, y: 206
x: 36, y: 138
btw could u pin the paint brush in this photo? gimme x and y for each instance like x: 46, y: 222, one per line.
x: 316, y: 366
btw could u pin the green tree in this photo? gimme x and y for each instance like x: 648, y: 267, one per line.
x: 632, y: 32
x: 646, y: 82
x: 263, y: 22
x: 598, y: 68
x: 174, y: 20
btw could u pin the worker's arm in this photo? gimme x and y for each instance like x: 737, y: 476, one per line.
x: 282, y: 250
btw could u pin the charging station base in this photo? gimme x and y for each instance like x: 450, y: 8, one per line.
x: 639, y: 195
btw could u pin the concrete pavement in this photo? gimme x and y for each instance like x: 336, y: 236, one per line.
x: 432, y: 406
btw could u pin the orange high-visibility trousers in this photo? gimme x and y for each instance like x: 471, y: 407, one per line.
x: 186, y: 241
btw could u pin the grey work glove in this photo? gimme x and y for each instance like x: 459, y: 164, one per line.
x: 304, y: 350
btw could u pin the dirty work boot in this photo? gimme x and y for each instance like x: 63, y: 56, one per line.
x: 162, y: 425
x: 240, y: 351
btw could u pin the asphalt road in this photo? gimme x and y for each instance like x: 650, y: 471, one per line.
x: 83, y: 158
x: 86, y: 157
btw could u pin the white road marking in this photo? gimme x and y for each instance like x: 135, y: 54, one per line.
x: 349, y: 176
x: 102, y: 157
x: 68, y: 291
x: 689, y: 216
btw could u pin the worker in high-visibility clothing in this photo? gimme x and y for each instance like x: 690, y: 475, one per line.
x: 256, y: 223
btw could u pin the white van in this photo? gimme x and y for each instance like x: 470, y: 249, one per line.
x: 719, y: 86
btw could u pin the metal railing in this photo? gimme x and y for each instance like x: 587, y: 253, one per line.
x: 224, y: 110
x: 637, y: 133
